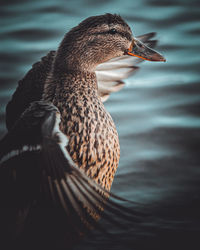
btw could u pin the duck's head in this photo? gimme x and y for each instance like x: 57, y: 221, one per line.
x: 98, y: 39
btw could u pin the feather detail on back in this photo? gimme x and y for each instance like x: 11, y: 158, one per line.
x: 29, y: 89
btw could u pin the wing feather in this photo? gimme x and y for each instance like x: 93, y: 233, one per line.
x: 111, y: 74
x: 29, y: 89
x: 51, y: 178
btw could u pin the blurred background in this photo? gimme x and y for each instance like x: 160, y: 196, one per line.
x: 156, y: 114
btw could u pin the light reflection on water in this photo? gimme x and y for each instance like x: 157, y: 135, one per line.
x: 156, y: 114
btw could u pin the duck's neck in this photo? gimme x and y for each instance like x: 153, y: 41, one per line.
x: 64, y: 83
x: 73, y: 54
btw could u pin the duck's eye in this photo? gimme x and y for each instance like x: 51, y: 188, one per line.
x: 113, y: 31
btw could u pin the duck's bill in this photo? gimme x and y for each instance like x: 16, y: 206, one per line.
x: 140, y: 50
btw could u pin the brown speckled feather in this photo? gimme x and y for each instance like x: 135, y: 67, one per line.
x: 93, y: 139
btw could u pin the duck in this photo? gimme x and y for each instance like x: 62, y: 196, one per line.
x: 61, y: 152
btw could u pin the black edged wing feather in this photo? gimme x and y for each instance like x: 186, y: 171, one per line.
x: 37, y: 172
x: 29, y: 89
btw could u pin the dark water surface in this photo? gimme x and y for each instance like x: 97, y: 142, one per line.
x: 156, y: 114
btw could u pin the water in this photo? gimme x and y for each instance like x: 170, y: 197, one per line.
x: 156, y: 114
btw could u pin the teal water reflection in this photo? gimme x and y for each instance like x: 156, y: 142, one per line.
x: 156, y: 114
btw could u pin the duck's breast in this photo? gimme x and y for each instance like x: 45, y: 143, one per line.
x: 93, y: 138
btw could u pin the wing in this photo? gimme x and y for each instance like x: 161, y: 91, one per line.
x: 20, y: 151
x: 111, y: 74
x: 29, y: 89
x: 36, y: 170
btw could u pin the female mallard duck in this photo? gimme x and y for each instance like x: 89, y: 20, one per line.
x: 57, y: 124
